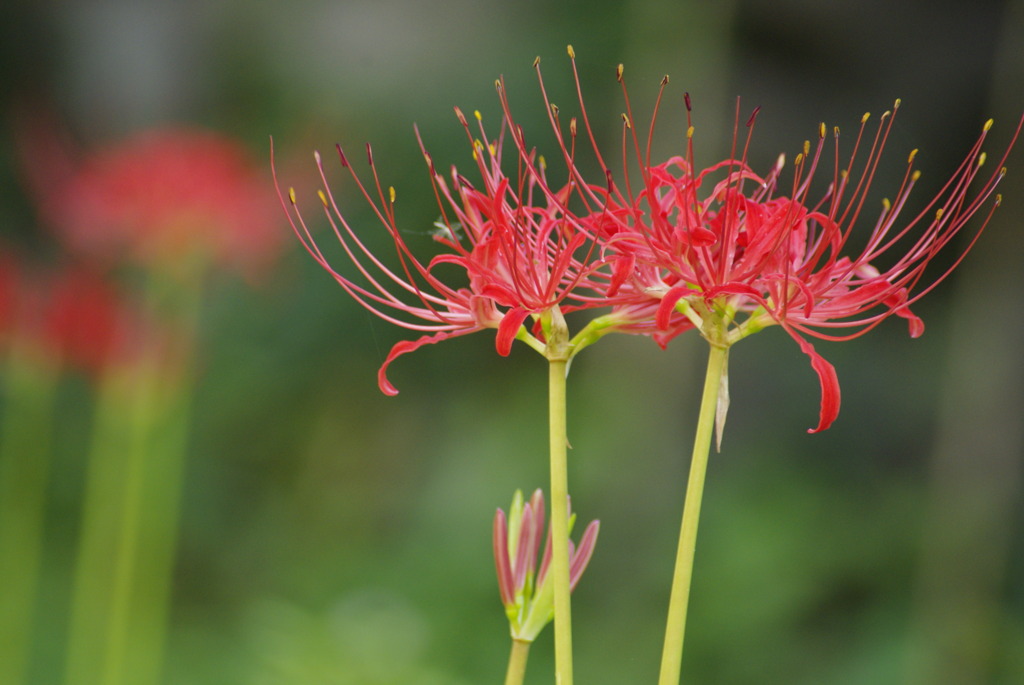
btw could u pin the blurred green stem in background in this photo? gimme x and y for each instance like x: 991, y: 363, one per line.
x: 672, y: 653
x: 132, y: 503
x: 24, y: 473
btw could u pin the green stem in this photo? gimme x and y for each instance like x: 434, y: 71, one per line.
x: 130, y: 530
x: 558, y: 354
x: 24, y: 470
x: 517, y: 662
x: 672, y: 653
x: 132, y: 505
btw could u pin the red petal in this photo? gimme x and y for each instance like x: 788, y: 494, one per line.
x: 501, y: 560
x: 508, y: 328
x: 668, y: 305
x: 829, y: 384
x: 404, y: 347
x: 620, y: 272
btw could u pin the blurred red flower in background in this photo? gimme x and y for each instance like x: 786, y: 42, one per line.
x: 163, y: 197
x: 64, y: 317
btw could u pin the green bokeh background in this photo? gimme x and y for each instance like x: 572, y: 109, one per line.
x: 334, y: 535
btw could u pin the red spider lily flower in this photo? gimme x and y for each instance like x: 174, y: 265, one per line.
x: 526, y: 591
x: 165, y: 197
x: 722, y: 251
x: 522, y: 251
x: 68, y: 317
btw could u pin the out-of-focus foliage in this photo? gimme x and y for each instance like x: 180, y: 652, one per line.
x: 332, y: 535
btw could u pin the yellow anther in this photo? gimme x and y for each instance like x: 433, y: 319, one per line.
x: 938, y: 213
x: 391, y: 194
x: 910, y: 158
x: 543, y: 162
x: 886, y: 114
x: 626, y: 120
x: 999, y: 199
x: 618, y: 72
x: 807, y: 148
x: 886, y: 205
x: 981, y: 158
x: 835, y: 131
x: 664, y: 80
x: 864, y: 119
x: 572, y: 126
x: 476, y: 157
x: 843, y: 175
x: 821, y: 130
x: 689, y: 133
x: 323, y: 198
x: 479, y: 117
x: 536, y: 60
x: 916, y: 175
x: 291, y: 195
x: 497, y: 84
x: 572, y: 53
x: 1002, y: 172
x: 988, y: 125
x: 493, y: 150
x: 554, y: 109
x: 799, y: 159
x: 896, y: 105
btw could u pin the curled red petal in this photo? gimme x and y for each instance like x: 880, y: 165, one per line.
x: 405, y: 347
x: 663, y: 317
x: 829, y: 384
x: 508, y: 329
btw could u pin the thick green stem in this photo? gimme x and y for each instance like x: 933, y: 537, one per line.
x: 672, y: 653
x: 517, y: 662
x: 558, y: 354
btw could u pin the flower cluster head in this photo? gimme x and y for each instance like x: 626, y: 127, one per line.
x: 723, y: 249
x: 167, y: 197
x: 527, y: 591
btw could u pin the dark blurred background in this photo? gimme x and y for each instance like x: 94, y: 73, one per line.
x: 331, y: 534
